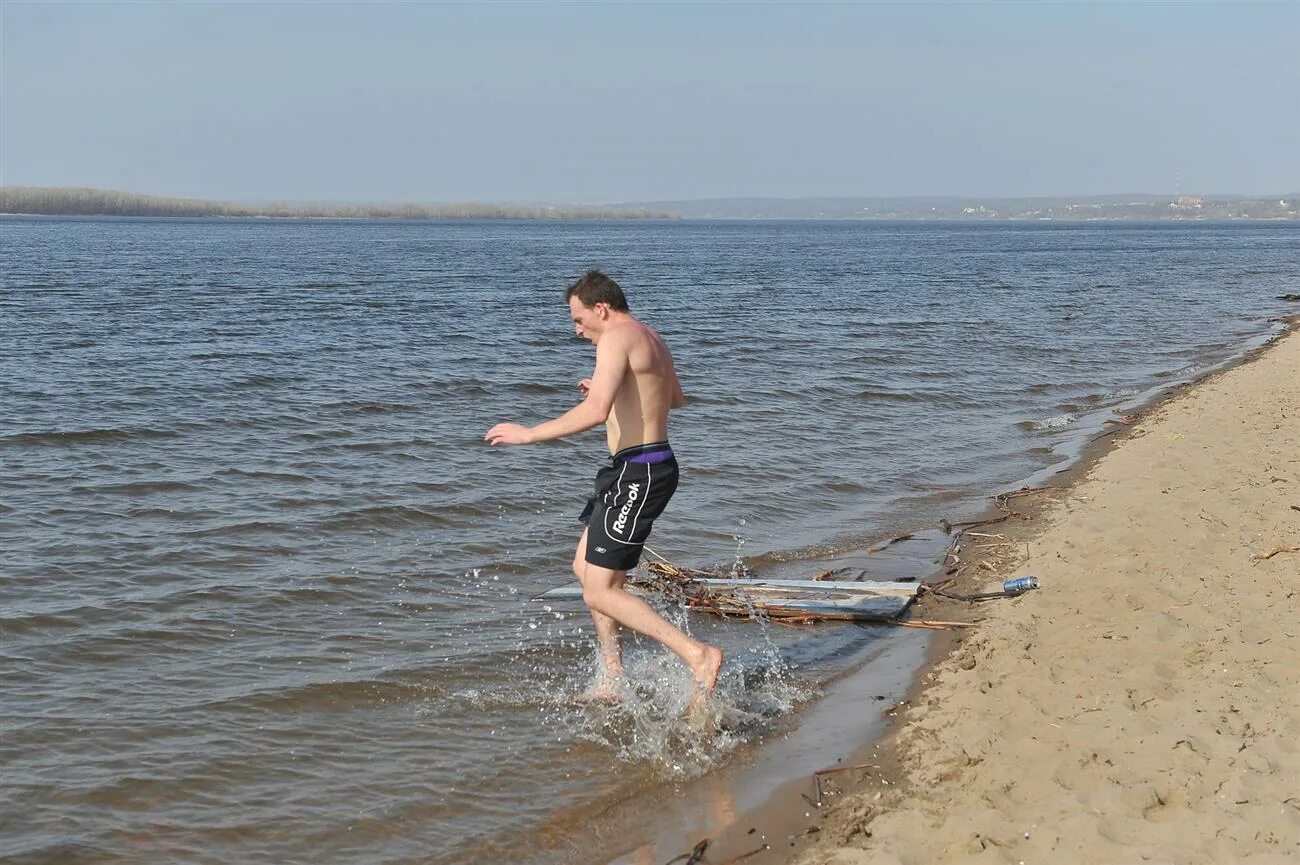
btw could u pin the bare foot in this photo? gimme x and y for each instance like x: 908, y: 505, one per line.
x: 606, y: 689
x: 706, y: 677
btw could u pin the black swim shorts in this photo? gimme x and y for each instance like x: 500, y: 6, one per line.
x: 630, y: 493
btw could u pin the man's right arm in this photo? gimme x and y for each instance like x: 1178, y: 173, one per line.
x: 606, y: 379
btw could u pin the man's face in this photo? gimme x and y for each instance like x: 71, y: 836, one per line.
x: 588, y: 321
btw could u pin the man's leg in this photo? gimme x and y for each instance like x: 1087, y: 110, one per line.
x: 603, y: 592
x: 611, y: 654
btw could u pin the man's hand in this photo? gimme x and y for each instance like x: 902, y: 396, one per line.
x: 585, y: 387
x: 509, y: 434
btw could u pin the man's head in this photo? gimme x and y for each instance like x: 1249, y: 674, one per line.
x: 594, y: 300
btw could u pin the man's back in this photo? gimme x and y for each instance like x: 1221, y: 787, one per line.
x: 648, y: 391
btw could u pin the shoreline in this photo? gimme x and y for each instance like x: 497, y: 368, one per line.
x: 633, y: 216
x: 949, y: 784
x: 786, y: 814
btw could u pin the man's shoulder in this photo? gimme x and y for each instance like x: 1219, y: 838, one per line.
x: 629, y: 333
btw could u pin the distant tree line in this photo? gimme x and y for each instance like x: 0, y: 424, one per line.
x: 68, y: 201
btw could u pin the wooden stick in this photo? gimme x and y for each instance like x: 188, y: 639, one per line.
x: 839, y: 769
x: 1259, y: 557
x: 983, y: 522
x: 934, y: 625
x: 694, y: 857
x: 1023, y: 491
x: 657, y: 556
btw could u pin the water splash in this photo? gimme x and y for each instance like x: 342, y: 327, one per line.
x: 739, y: 570
x: 649, y: 724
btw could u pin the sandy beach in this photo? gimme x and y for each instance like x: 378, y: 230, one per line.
x: 1144, y: 705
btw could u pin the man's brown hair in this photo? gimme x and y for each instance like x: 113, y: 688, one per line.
x: 595, y: 287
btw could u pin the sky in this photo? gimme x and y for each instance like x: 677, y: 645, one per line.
x: 614, y: 102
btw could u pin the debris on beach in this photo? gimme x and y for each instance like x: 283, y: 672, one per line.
x: 736, y: 592
x: 788, y: 601
x: 740, y: 594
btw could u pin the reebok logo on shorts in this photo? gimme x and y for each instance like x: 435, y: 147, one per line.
x: 633, y: 493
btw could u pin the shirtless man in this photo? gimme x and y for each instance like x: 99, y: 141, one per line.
x: 631, y: 391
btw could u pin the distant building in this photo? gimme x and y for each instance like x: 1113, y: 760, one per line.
x: 1190, y: 202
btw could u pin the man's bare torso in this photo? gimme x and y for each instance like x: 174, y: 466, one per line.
x: 648, y: 391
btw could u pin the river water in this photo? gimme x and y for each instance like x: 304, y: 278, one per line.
x: 264, y: 592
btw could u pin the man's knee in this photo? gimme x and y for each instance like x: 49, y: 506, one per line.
x: 598, y: 584
x: 593, y: 596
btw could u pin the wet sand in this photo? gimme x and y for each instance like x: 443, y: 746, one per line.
x: 1144, y: 705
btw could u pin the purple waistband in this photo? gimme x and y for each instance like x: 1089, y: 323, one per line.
x: 650, y: 454
x: 652, y: 457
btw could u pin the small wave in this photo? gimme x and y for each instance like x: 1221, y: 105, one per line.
x: 256, y: 381
x: 237, y: 529
x: 362, y: 408
x: 433, y: 486
x: 330, y: 695
x: 399, y: 516
x: 92, y: 436
x: 533, y: 388
x: 263, y: 475
x: 452, y: 387
x: 24, y: 622
x: 138, y: 488
x: 374, y: 447
x: 890, y: 395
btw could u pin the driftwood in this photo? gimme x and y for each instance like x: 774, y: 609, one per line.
x: 1259, y: 557
x: 932, y: 625
x: 737, y: 593
x: 692, y: 858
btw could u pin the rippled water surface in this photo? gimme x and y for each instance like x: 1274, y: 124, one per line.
x: 264, y: 592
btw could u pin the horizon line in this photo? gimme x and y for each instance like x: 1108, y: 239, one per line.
x: 652, y: 201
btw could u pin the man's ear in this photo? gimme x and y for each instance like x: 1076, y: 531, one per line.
x: 602, y: 309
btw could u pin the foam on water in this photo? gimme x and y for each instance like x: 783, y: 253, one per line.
x: 1060, y: 421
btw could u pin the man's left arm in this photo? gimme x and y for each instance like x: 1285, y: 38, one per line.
x: 611, y: 366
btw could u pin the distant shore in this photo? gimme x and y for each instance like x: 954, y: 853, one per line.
x: 1141, y: 704
x: 65, y: 201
